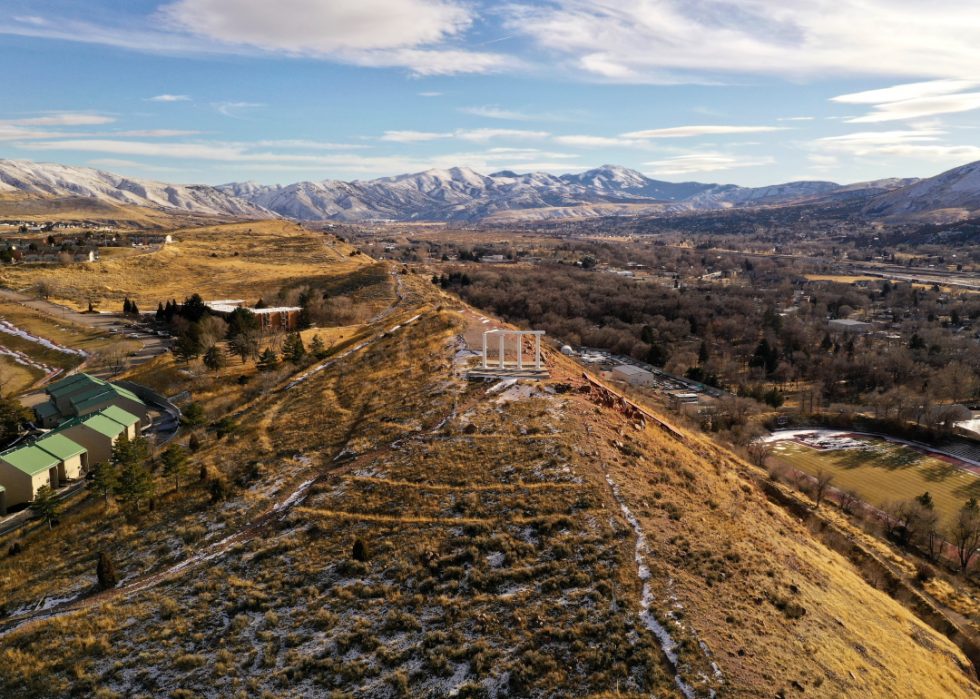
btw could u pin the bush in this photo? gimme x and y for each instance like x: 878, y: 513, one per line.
x: 924, y: 573
x: 168, y: 608
x: 190, y: 661
x: 360, y: 552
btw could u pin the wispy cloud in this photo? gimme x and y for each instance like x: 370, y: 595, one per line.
x: 914, y: 100
x: 232, y: 109
x: 116, y: 162
x: 913, y: 144
x: 494, y: 112
x: 487, y: 134
x: 704, y: 162
x: 430, y: 94
x: 413, y: 136
x: 688, y: 131
x: 169, y: 98
x: 153, y: 133
x: 600, y: 142
x: 61, y: 120
x: 795, y: 119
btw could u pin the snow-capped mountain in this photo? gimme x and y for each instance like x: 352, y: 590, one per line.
x: 70, y: 181
x: 949, y: 195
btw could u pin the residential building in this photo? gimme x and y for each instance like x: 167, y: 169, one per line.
x: 109, y: 395
x: 24, y: 470
x: 73, y: 459
x: 282, y: 318
x: 98, y: 432
x: 82, y: 394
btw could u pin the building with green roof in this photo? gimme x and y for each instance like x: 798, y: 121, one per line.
x: 98, y: 432
x: 63, y: 391
x: 100, y: 397
x: 74, y: 457
x: 47, y: 414
x: 25, y: 469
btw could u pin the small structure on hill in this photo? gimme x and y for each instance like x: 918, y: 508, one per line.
x: 511, y: 369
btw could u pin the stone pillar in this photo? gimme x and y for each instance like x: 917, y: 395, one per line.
x: 501, y: 349
x: 484, y: 365
x: 520, y: 347
x: 537, y: 352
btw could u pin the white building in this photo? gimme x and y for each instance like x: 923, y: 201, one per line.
x: 633, y: 375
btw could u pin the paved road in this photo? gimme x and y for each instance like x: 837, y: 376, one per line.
x: 153, y: 345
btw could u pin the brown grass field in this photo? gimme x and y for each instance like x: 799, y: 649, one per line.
x: 245, y: 260
x: 885, y: 472
x: 501, y: 554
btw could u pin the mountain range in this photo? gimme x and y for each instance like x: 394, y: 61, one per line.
x: 462, y: 194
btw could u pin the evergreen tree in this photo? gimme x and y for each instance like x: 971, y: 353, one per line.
x: 360, y: 551
x: 133, y: 308
x: 260, y: 304
x: 174, y: 463
x: 13, y: 415
x: 241, y: 320
x: 218, y: 490
x: 103, y: 479
x: 657, y: 356
x: 294, y: 351
x: 215, y: 358
x: 187, y: 348
x: 161, y: 313
x: 130, y: 451
x: 135, y: 484
x: 193, y: 309
x: 126, y: 306
x: 194, y: 443
x: 46, y: 505
x: 106, y: 572
x: 268, y: 360
x: 703, y: 353
x: 305, y: 319
x: 193, y: 415
x: 317, y: 348
x: 225, y: 426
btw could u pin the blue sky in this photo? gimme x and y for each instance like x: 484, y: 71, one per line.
x: 749, y: 92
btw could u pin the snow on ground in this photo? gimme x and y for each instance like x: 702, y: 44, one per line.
x: 11, y: 329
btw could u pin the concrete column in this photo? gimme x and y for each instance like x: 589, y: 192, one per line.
x: 520, y: 347
x: 537, y: 352
x: 484, y: 366
x: 501, y: 349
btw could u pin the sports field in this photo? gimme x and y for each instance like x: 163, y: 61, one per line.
x: 881, y: 472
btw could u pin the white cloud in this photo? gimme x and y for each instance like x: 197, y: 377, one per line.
x: 169, y: 98
x: 413, y: 136
x: 688, y: 131
x: 795, y: 119
x: 704, y: 162
x: 311, y: 145
x: 679, y: 40
x: 487, y: 134
x: 37, y: 21
x: 323, y: 27
x: 61, y: 120
x: 513, y: 115
x: 154, y: 133
x: 18, y: 133
x: 115, y: 162
x: 430, y: 94
x: 914, y: 100
x: 598, y: 142
x: 230, y: 109
x: 918, y: 145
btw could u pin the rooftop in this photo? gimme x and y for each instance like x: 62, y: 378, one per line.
x: 114, y: 412
x: 631, y: 370
x: 60, y: 446
x: 102, y: 394
x: 30, y: 459
x: 72, y: 384
x: 46, y: 410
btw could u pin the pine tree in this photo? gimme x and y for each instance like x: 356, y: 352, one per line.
x: 317, y: 348
x: 194, y: 443
x: 126, y: 306
x: 268, y: 360
x: 128, y: 451
x: 161, y: 313
x: 103, y: 479
x: 193, y: 415
x: 360, y: 551
x: 106, y: 572
x: 703, y: 353
x: 294, y: 351
x: 135, y: 484
x: 215, y: 358
x: 133, y: 308
x: 46, y: 505
x: 174, y: 463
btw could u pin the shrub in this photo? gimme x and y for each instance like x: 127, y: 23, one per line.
x: 168, y: 608
x: 924, y: 573
x: 360, y: 552
x: 190, y: 661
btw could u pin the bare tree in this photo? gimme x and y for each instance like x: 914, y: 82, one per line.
x: 245, y: 344
x: 758, y: 453
x: 115, y: 360
x: 964, y: 532
x: 44, y: 288
x: 823, y: 479
x: 213, y: 330
x: 849, y: 501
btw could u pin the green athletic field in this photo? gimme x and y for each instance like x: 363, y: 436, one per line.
x: 883, y: 472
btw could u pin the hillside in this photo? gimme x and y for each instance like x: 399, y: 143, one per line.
x: 950, y: 196
x: 63, y: 181
x: 525, y: 540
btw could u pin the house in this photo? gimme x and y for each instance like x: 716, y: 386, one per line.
x: 633, y: 375
x: 679, y: 400
x: 98, y: 432
x: 853, y: 326
x: 104, y: 396
x: 73, y: 459
x: 24, y: 470
x: 82, y: 394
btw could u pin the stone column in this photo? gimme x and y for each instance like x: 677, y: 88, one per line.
x: 484, y: 366
x: 537, y: 352
x: 520, y: 359
x: 501, y: 348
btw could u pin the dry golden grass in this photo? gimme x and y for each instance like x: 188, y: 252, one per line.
x: 499, y: 559
x: 242, y: 261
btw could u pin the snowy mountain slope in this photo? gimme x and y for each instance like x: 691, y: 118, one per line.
x: 957, y: 189
x: 57, y: 180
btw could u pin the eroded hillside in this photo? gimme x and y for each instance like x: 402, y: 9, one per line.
x: 393, y: 530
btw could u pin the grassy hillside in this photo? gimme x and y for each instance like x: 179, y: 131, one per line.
x: 243, y: 260
x: 451, y: 539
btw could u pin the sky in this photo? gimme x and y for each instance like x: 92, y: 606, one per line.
x: 749, y: 92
